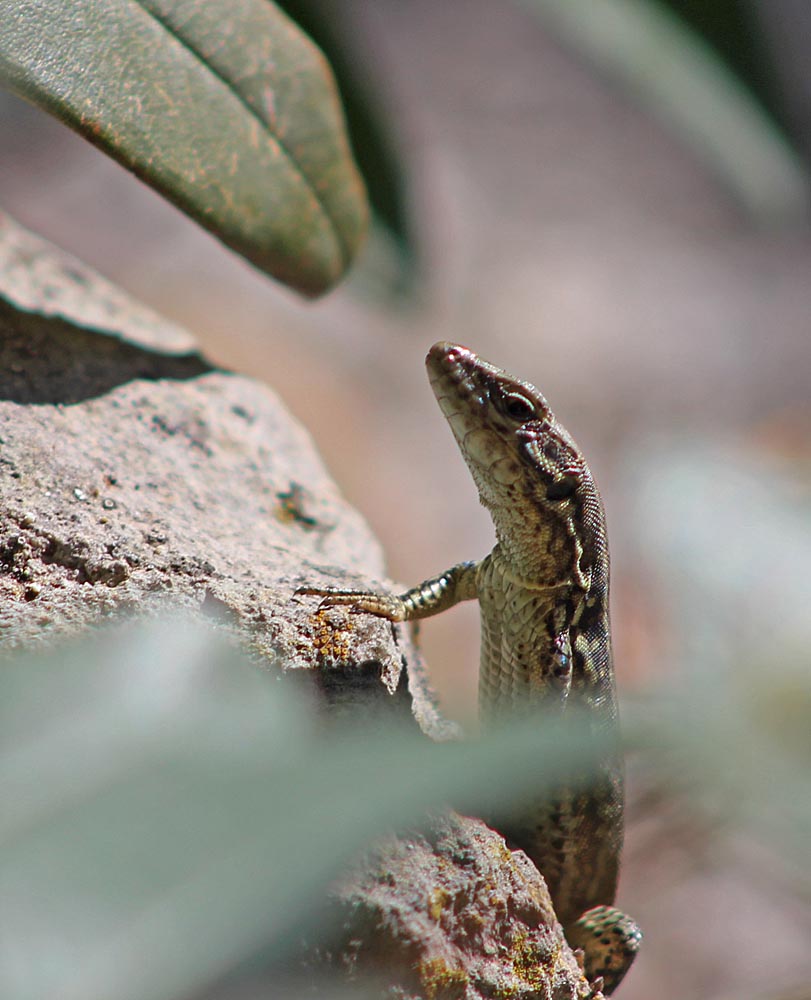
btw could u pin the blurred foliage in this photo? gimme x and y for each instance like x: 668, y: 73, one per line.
x: 724, y: 539
x: 173, y: 812
x: 731, y: 29
x: 182, y: 111
x: 372, y: 132
x: 672, y: 71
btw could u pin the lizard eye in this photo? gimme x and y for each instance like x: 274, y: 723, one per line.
x: 562, y: 489
x: 517, y: 407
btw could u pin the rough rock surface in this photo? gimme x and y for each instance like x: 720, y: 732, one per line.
x: 135, y: 476
x: 131, y: 476
x: 452, y: 912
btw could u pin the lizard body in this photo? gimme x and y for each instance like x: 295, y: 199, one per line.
x: 546, y: 637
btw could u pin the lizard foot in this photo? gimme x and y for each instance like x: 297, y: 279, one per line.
x: 382, y: 605
x: 610, y: 941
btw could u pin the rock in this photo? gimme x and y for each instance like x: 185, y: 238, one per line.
x: 133, y: 473
x: 451, y: 912
x: 135, y: 477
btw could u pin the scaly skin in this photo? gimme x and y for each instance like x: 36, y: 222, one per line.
x: 546, y: 637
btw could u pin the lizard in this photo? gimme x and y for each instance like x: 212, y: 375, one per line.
x: 545, y: 631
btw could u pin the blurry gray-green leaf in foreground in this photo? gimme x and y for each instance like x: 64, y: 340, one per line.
x: 724, y: 533
x: 671, y: 70
x: 170, y: 811
x: 226, y: 108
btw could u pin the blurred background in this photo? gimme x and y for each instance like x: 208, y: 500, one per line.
x: 612, y: 202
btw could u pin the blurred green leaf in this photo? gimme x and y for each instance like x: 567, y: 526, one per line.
x: 724, y: 542
x: 225, y: 108
x: 169, y: 810
x: 680, y: 78
x: 736, y: 754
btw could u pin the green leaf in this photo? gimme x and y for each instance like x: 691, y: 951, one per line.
x: 227, y: 109
x: 171, y: 811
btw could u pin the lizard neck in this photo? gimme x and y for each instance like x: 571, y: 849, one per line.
x: 549, y: 554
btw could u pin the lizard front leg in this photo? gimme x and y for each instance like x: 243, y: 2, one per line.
x: 428, y: 598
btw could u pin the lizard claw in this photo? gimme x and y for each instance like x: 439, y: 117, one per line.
x: 357, y: 601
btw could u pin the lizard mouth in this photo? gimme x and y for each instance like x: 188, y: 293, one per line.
x: 456, y: 368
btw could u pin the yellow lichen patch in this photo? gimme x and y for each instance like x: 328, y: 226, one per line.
x: 437, y: 902
x: 331, y: 641
x: 526, y: 960
x: 558, y: 963
x: 499, y: 852
x: 440, y: 980
x: 531, y: 965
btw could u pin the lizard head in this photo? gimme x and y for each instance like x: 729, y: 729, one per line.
x: 529, y: 472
